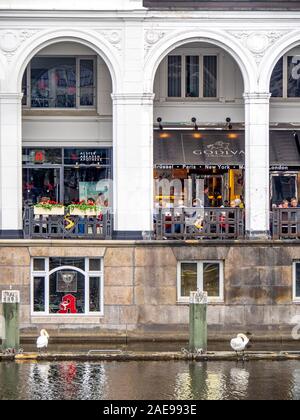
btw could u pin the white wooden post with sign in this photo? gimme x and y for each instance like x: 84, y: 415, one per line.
x: 11, y: 339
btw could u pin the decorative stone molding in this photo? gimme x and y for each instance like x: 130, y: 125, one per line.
x: 114, y: 37
x: 258, y: 42
x: 10, y: 41
x: 133, y: 98
x: 151, y: 38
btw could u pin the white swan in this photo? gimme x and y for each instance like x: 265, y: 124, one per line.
x: 42, y: 341
x: 240, y: 343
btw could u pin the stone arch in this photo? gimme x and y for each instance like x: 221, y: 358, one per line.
x: 273, y: 55
x: 89, y: 39
x: 221, y: 39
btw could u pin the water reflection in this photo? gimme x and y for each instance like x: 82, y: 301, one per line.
x: 150, y: 380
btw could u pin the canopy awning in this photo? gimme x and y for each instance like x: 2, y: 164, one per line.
x: 284, y: 150
x: 199, y: 148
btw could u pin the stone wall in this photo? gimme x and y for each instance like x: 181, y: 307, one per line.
x: 140, y: 287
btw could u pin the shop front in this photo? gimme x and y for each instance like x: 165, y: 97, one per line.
x: 284, y: 166
x: 67, y: 175
x: 206, y: 162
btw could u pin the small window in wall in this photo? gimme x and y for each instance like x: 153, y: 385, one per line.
x: 210, y: 76
x: 193, y: 76
x: 296, y: 281
x: 67, y: 286
x: 285, y: 79
x: 60, y: 82
x: 174, y: 76
x: 203, y: 275
x: 276, y: 86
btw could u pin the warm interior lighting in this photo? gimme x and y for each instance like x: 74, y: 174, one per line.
x: 164, y: 135
x: 197, y: 135
x: 232, y: 136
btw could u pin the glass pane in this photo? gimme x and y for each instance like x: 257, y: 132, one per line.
x: 41, y: 156
x: 210, y: 76
x: 40, y: 184
x: 71, y: 262
x: 283, y: 188
x: 293, y: 77
x: 95, y: 264
x: 66, y: 292
x: 53, y: 82
x: 86, y: 82
x: 88, y: 183
x: 192, y: 76
x: 39, y: 294
x: 94, y: 294
x: 39, y: 264
x: 188, y: 278
x: 276, y: 85
x: 297, y: 280
x: 24, y: 88
x: 211, y: 279
x: 174, y: 76
x: 88, y: 157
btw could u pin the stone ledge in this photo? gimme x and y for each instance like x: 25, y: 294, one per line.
x: 66, y: 320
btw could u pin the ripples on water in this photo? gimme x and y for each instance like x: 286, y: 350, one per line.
x: 149, y: 380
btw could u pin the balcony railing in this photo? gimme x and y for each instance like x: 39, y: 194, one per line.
x: 174, y: 224
x: 66, y: 226
x: 285, y: 223
x: 199, y: 223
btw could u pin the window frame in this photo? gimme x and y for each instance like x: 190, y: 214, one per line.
x: 78, y: 59
x: 201, y: 96
x: 200, y: 264
x: 285, y: 96
x: 87, y: 275
x: 296, y: 299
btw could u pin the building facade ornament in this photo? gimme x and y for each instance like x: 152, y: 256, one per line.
x: 258, y: 42
x: 113, y: 37
x: 10, y: 41
x: 151, y: 38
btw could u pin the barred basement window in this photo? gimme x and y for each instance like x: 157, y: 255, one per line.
x: 204, y: 275
x: 67, y: 286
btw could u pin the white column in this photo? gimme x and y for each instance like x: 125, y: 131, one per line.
x: 133, y: 164
x: 10, y: 165
x: 257, y: 185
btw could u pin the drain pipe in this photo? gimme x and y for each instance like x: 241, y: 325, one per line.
x: 198, y: 322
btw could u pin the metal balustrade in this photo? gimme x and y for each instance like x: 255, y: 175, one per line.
x: 285, y: 223
x: 199, y: 223
x: 66, y: 226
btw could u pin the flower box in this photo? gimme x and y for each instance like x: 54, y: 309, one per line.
x: 55, y: 211
x: 82, y: 213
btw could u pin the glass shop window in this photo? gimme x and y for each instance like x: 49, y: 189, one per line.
x: 174, y: 76
x: 205, y: 275
x: 67, y: 286
x: 276, y: 86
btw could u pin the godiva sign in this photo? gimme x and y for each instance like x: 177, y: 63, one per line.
x: 225, y: 4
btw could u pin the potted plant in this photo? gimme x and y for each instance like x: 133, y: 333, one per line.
x: 83, y: 208
x: 49, y: 208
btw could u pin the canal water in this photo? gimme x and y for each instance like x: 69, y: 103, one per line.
x: 150, y: 380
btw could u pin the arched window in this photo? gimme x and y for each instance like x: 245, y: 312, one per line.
x: 67, y: 286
